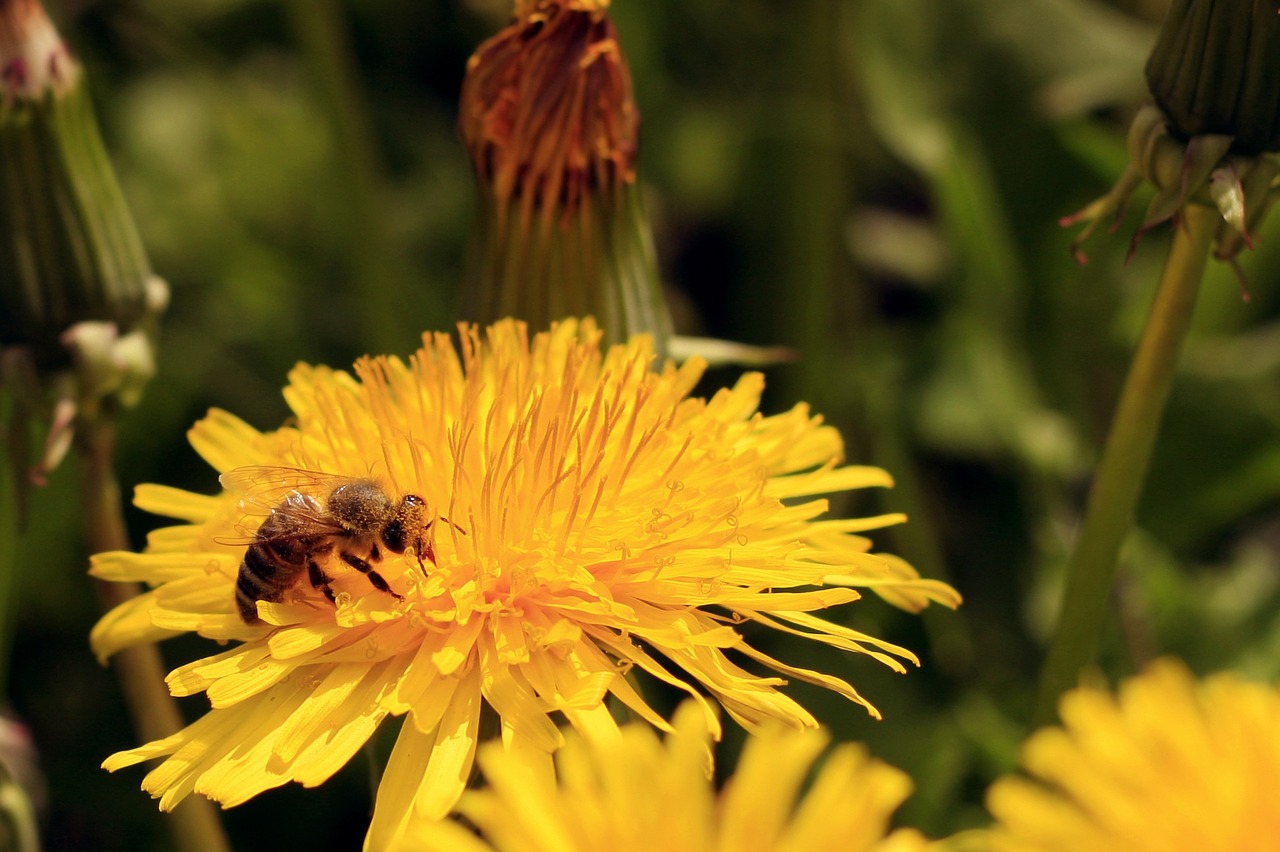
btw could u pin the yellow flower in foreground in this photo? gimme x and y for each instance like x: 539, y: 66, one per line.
x: 1168, y: 764
x: 594, y: 521
x: 633, y: 793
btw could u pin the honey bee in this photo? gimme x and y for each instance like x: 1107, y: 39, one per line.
x: 316, y: 522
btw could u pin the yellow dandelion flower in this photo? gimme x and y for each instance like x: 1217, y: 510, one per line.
x: 1169, y: 763
x: 591, y: 519
x: 633, y: 793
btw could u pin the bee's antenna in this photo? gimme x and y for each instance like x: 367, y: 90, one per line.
x: 457, y: 527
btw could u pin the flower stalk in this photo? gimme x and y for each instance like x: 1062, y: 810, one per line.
x: 1209, y: 147
x: 1117, y: 483
x: 140, y: 669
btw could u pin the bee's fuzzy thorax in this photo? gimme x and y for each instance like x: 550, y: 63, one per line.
x: 361, y: 506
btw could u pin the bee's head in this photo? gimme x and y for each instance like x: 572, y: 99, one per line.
x: 409, y: 526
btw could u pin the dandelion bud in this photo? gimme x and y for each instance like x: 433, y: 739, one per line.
x: 1211, y: 135
x: 548, y: 119
x: 78, y: 301
x: 1215, y: 70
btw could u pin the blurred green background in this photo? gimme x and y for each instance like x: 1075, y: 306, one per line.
x: 875, y: 183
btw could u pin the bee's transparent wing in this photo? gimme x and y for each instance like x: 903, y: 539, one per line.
x: 271, y: 483
x: 265, y: 490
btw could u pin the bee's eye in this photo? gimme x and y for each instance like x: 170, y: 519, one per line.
x: 393, y: 537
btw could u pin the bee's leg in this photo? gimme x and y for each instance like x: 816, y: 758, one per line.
x: 422, y: 548
x: 319, y: 579
x: 374, y: 577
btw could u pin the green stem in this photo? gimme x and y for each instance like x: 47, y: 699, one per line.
x: 195, y: 824
x: 359, y: 176
x: 814, y: 181
x: 1118, y: 481
x: 8, y: 567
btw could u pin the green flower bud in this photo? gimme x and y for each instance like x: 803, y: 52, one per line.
x: 1211, y: 137
x: 78, y: 301
x: 1215, y: 70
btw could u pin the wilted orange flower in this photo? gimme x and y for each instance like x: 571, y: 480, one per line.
x: 548, y: 118
x: 547, y: 112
